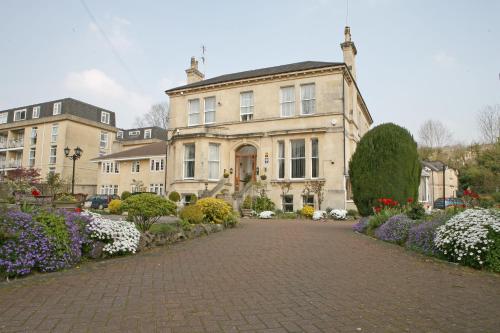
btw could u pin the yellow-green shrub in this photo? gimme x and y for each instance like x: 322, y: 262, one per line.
x: 115, y: 206
x: 215, y: 210
x: 192, y: 214
x: 307, y: 211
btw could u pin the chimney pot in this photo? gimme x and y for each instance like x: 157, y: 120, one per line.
x: 193, y: 74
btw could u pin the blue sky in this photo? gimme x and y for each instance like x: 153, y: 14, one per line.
x: 416, y: 60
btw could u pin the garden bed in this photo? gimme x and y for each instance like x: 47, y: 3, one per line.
x: 469, y: 237
x: 40, y: 240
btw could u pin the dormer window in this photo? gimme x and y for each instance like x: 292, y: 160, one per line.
x: 119, y: 135
x: 134, y: 133
x: 36, y: 112
x: 20, y: 115
x: 147, y: 134
x: 105, y: 117
x: 56, y: 109
x: 3, y: 117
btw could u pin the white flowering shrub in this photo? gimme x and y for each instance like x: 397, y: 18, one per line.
x: 267, y: 214
x: 319, y: 215
x: 118, y: 236
x: 472, y: 238
x: 338, y: 214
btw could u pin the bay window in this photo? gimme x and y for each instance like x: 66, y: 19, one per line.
x: 189, y: 159
x: 314, y: 159
x: 281, y: 159
x: 298, y: 159
x: 213, y: 161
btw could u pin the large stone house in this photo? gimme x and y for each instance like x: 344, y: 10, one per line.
x: 292, y: 123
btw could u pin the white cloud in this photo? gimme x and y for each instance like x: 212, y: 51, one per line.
x: 116, y: 31
x: 95, y: 87
x: 443, y: 59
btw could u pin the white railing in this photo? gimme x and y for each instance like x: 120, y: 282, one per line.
x: 18, y: 143
x: 12, y: 164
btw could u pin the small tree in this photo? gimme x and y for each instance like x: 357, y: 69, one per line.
x: 156, y: 116
x: 316, y: 188
x: 384, y: 165
x: 138, y: 185
x: 285, y: 187
x: 22, y: 179
x: 55, y: 183
x: 434, y: 134
x: 145, y: 209
x: 488, y: 120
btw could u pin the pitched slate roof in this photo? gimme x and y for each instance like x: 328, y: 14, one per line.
x: 69, y: 106
x: 152, y: 149
x: 295, y: 67
x: 433, y: 165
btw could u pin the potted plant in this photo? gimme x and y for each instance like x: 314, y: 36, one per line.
x: 66, y: 201
x: 246, y: 207
x: 263, y: 177
x: 226, y: 174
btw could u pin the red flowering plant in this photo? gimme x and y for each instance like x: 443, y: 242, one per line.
x: 470, y: 198
x: 384, y: 204
x: 35, y: 192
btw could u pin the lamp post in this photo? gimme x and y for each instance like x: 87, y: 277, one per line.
x: 77, y: 154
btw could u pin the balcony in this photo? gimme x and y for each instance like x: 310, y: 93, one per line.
x: 12, y: 144
x: 11, y: 164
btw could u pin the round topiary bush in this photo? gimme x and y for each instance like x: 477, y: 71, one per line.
x: 125, y: 195
x: 215, y: 210
x: 145, y: 209
x: 385, y: 165
x: 115, y: 206
x: 174, y: 196
x: 307, y: 211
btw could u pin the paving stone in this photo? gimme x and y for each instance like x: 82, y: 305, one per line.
x: 272, y: 276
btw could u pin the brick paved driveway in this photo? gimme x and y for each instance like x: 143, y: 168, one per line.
x: 265, y: 276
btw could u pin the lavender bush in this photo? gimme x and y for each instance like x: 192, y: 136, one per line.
x: 395, y: 229
x: 362, y: 225
x: 34, y: 242
x: 421, y: 236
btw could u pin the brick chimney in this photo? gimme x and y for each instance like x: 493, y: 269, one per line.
x: 193, y: 74
x: 349, y: 50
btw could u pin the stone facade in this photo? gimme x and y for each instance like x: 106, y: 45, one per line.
x: 301, y: 124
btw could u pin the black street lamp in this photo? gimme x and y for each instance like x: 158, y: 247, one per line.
x: 74, y: 157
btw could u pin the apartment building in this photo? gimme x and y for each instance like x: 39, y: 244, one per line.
x: 139, y: 169
x: 35, y: 136
x: 293, y: 123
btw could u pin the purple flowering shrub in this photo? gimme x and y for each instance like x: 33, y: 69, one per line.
x: 421, y: 236
x: 362, y: 225
x: 395, y: 230
x: 42, y: 241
